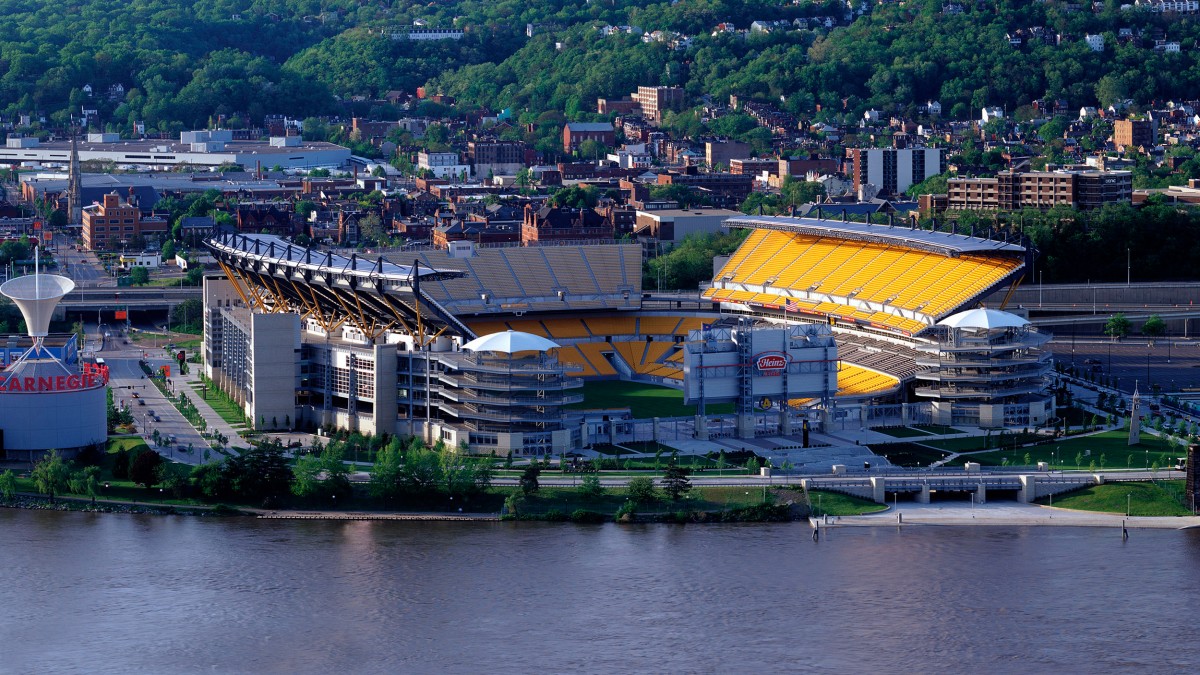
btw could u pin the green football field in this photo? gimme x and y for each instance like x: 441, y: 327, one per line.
x: 644, y: 400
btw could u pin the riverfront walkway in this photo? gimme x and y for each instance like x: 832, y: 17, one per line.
x: 1007, y: 514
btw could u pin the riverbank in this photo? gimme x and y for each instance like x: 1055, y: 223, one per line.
x: 1006, y: 514
x: 83, y: 505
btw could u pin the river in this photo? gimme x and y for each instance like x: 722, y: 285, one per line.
x: 90, y: 593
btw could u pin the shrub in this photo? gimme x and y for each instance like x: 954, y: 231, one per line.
x: 585, y: 516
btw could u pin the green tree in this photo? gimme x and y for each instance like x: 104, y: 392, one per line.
x: 576, y: 197
x: 120, y: 467
x: 144, y: 470
x: 641, y: 490
x: 259, y: 474
x: 529, y: 479
x: 324, y: 476
x: 1154, y: 326
x: 139, y: 276
x: 463, y: 475
x: 8, y: 485
x: 387, y: 471
x: 1117, y: 326
x: 422, y: 472
x: 590, y: 487
x: 675, y: 482
x: 51, y: 475
x: 188, y: 315
x: 168, y: 251
x: 797, y: 192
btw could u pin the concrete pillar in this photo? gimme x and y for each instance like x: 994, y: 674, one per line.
x: 785, y: 421
x: 745, y: 426
x: 923, y: 495
x: 981, y: 494
x: 701, y: 430
x: 878, y: 489
x: 654, y: 430
x: 805, y: 483
x: 1028, y: 492
x: 905, y: 414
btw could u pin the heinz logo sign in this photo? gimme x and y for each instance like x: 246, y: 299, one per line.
x: 771, y: 362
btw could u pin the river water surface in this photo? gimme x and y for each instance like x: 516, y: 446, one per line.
x: 85, y: 593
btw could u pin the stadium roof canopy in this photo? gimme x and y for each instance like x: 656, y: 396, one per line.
x: 375, y: 295
x: 989, y: 319
x: 944, y: 243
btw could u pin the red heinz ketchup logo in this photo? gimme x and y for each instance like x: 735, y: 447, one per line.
x: 771, y: 362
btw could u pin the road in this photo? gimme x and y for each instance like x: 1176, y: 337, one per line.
x: 83, y: 268
x: 126, y: 379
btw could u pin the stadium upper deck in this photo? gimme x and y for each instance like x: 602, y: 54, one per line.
x: 537, y: 278
x: 888, y: 278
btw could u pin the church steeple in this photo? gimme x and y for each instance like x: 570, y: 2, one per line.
x: 1135, y: 417
x: 74, y: 185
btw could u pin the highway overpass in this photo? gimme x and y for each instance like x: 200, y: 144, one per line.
x: 134, y: 299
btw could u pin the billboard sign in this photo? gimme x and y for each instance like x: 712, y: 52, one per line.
x: 770, y: 363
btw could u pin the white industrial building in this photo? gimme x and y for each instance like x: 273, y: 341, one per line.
x: 210, y: 148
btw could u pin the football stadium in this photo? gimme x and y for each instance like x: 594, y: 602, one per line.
x: 811, y: 323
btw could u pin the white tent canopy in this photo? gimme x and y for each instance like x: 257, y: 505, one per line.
x: 988, y: 319
x: 510, y: 342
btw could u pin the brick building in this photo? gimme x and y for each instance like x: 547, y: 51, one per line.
x: 1011, y: 190
x: 754, y: 167
x: 732, y: 185
x: 274, y: 218
x: 501, y: 158
x: 113, y: 223
x: 563, y: 224
x: 575, y: 133
x: 655, y: 101
x: 1133, y: 134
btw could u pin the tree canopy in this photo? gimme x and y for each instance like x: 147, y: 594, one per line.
x: 172, y: 65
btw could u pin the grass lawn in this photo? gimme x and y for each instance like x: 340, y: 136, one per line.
x: 838, y: 504
x: 1163, y: 498
x: 902, y: 432
x: 685, y: 461
x: 225, y: 407
x: 1112, y: 446
x: 908, y: 454
x: 131, y: 443
x: 973, y: 443
x: 939, y: 429
x: 125, y: 490
x: 643, y: 400
x: 606, y: 449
